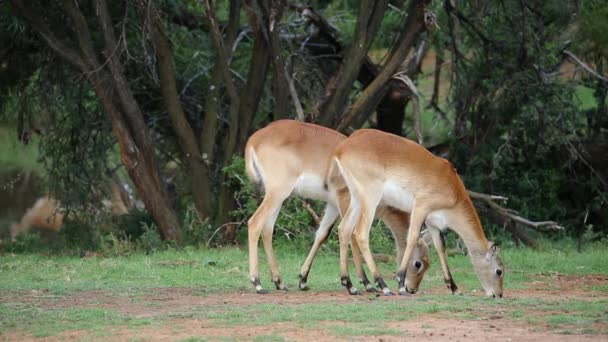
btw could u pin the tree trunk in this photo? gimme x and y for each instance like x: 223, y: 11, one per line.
x: 280, y: 85
x: 368, y: 23
x: 256, y: 77
x: 371, y: 96
x: 185, y: 134
x: 214, y: 97
x: 132, y: 135
x: 140, y: 172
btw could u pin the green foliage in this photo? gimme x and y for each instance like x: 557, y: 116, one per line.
x: 592, y: 27
x: 150, y: 241
x: 524, y: 127
x: 77, y: 148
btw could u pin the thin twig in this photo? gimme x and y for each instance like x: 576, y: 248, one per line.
x: 220, y: 227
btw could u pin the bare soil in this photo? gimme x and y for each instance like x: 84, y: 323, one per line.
x: 430, y: 327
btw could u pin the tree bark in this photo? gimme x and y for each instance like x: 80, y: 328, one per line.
x: 258, y: 67
x: 368, y: 23
x: 136, y: 150
x: 185, y: 134
x: 280, y: 84
x: 371, y: 96
x: 214, y: 96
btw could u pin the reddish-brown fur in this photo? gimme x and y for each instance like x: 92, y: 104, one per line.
x: 44, y: 214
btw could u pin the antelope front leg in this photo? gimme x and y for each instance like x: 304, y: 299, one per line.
x: 439, y: 242
x: 329, y: 217
x: 358, y: 261
x: 417, y: 217
x: 362, y: 239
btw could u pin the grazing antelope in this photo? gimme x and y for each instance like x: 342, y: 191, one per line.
x: 381, y: 169
x: 288, y: 157
x: 45, y: 214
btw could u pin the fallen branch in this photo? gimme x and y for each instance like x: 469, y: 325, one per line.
x: 510, y: 213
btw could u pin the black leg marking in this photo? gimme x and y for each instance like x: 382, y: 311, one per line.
x: 302, y: 283
x: 451, y: 284
x: 369, y: 287
x: 401, y: 282
x: 345, y: 280
x: 382, y: 285
x: 258, y: 286
x: 278, y: 284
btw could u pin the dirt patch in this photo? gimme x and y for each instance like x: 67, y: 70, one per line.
x: 491, y: 328
x: 163, y: 305
x: 428, y: 328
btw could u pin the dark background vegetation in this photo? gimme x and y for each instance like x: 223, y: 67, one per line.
x: 162, y: 95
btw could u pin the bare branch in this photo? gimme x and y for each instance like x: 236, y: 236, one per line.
x: 401, y: 76
x: 312, y: 212
x: 486, y: 197
x: 584, y: 66
x: 221, y: 51
x: 511, y: 214
x: 294, y: 97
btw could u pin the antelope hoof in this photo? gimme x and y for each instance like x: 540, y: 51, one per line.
x: 261, y: 291
x: 258, y: 286
x: 370, y: 288
x: 403, y: 292
x: 302, y: 283
x: 353, y: 291
x: 279, y: 285
x: 387, y: 292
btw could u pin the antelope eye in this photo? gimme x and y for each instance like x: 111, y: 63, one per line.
x: 499, y: 272
x: 418, y: 265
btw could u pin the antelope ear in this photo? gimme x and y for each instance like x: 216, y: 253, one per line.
x: 494, y: 249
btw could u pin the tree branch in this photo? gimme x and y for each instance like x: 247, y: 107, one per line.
x: 368, y: 23
x: 315, y: 216
x: 372, y: 95
x: 415, y: 96
x: 34, y: 19
x: 511, y: 214
x: 584, y: 66
x: 221, y: 51
x: 294, y: 97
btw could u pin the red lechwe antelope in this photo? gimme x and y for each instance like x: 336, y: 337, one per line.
x: 382, y: 169
x: 289, y: 157
x: 45, y: 214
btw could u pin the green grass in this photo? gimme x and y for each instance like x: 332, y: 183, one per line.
x: 41, y: 322
x: 132, y: 278
x: 586, y: 98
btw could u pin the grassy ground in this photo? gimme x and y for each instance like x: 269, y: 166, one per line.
x: 189, y: 293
